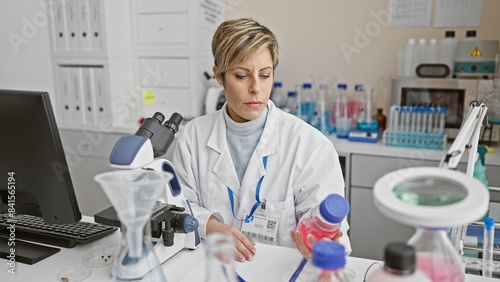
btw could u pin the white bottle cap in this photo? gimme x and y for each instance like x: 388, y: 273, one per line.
x: 411, y: 41
x: 433, y: 41
x: 421, y: 41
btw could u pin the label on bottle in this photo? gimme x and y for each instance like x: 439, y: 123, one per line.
x: 261, y: 227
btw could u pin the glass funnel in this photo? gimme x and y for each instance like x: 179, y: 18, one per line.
x: 324, y: 103
x: 133, y: 194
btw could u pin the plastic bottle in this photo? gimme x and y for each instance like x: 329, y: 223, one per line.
x: 292, y: 103
x: 325, y: 218
x: 409, y: 58
x: 278, y: 95
x: 447, y: 49
x: 308, y: 102
x: 329, y: 263
x: 368, y: 121
x: 399, y: 265
x: 220, y: 258
x: 436, y: 256
x: 432, y: 52
x: 420, y: 53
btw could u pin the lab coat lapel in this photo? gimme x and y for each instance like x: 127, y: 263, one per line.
x: 223, y: 167
x: 267, y: 146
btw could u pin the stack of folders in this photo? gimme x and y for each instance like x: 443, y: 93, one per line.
x: 82, y: 96
x: 76, y: 25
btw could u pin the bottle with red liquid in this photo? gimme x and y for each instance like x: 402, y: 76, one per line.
x: 325, y: 219
x: 436, y: 256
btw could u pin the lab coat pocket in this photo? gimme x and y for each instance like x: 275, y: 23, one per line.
x: 284, y: 213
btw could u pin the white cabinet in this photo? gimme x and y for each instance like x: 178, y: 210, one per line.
x: 162, y: 28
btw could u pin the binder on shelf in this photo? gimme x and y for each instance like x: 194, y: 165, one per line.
x: 65, y: 96
x: 59, y: 30
x: 88, y: 93
x: 100, y: 95
x: 95, y: 24
x: 77, y: 93
x: 83, y: 19
x: 72, y: 24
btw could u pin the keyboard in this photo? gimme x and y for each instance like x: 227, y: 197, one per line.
x: 33, y: 228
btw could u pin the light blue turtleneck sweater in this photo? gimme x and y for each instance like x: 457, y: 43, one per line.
x: 242, y: 139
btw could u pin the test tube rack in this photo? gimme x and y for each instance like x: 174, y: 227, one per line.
x: 430, y: 141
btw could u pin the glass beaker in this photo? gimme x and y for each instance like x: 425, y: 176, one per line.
x: 436, y: 256
x: 133, y: 194
x: 220, y: 258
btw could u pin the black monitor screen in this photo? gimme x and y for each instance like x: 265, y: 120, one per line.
x: 33, y: 168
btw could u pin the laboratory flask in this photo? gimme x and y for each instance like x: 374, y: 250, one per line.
x: 220, y: 248
x: 323, y: 114
x: 329, y: 263
x: 399, y: 266
x: 325, y: 218
x: 436, y: 256
x: 133, y: 194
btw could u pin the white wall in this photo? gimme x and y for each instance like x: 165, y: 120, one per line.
x: 24, y: 46
x: 310, y: 34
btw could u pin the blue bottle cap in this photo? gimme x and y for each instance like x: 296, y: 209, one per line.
x: 489, y: 223
x: 277, y: 84
x: 334, y: 208
x: 292, y: 94
x: 342, y: 86
x: 358, y: 87
x: 443, y: 109
x: 328, y: 255
x: 306, y: 85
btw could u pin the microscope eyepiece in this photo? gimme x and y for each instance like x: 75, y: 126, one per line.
x: 173, y: 122
x: 159, y: 117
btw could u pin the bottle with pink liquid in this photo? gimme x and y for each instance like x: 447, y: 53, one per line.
x: 436, y: 256
x: 325, y: 219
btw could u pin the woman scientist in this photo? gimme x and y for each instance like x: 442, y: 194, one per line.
x: 250, y: 169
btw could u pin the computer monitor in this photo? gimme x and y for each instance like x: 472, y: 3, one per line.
x: 32, y: 153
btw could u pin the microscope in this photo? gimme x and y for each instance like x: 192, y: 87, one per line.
x: 172, y: 215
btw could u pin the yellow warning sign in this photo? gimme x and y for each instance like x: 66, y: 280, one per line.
x: 476, y: 52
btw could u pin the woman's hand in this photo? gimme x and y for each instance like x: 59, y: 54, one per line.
x: 245, y: 249
x: 302, y: 246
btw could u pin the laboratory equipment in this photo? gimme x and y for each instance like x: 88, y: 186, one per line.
x: 434, y: 199
x: 324, y: 102
x: 410, y: 51
x: 488, y: 243
x: 307, y: 102
x: 220, y: 248
x: 366, y: 120
x: 292, y: 103
x: 215, y: 97
x: 399, y: 266
x: 342, y: 119
x: 133, y: 194
x: 278, y: 95
x: 475, y: 57
x: 329, y: 261
x: 447, y: 49
x: 493, y: 98
x: 325, y: 218
x: 172, y: 216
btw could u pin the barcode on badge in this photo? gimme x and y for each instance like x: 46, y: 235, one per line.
x: 258, y: 236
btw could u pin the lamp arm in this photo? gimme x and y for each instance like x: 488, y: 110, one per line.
x: 467, y: 137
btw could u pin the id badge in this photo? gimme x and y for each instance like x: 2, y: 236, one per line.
x: 261, y: 227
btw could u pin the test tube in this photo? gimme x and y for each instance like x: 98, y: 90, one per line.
x: 429, y: 125
x: 489, y: 230
x: 424, y: 120
x: 436, y: 119
x: 413, y: 119
x: 418, y: 123
x: 407, y: 118
x: 442, y: 120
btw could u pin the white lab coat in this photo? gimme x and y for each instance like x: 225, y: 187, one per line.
x: 302, y: 169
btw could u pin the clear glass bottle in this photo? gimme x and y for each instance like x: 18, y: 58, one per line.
x: 329, y: 262
x: 436, y: 256
x: 292, y: 103
x: 325, y: 219
x: 220, y: 249
x: 399, y: 265
x: 307, y: 102
x: 278, y: 95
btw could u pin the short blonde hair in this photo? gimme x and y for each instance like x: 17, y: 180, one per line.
x: 236, y: 40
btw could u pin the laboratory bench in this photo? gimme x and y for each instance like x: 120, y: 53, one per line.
x: 88, y: 153
x: 271, y: 263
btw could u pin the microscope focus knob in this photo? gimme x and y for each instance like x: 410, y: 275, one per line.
x: 185, y: 223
